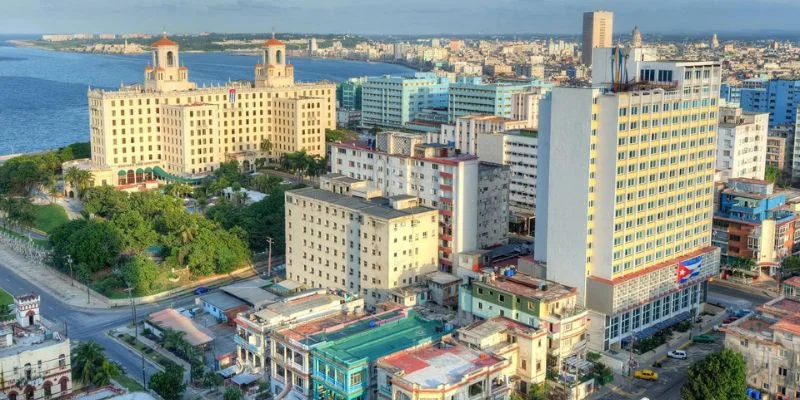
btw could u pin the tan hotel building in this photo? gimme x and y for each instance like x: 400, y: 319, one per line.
x: 169, y: 128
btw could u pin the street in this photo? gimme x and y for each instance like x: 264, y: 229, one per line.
x: 732, y: 296
x: 90, y: 324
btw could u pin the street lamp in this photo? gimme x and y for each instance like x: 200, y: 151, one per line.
x: 71, y: 278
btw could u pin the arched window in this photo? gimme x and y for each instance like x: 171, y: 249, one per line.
x: 170, y: 59
x: 62, y: 361
x: 12, y: 395
x: 279, y: 57
x: 266, y: 57
x: 63, y: 383
x: 28, y: 372
x: 48, y: 389
x: 29, y: 392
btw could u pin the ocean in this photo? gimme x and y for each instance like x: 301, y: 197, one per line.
x: 43, y: 93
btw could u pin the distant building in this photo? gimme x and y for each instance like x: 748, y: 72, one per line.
x: 598, y: 29
x: 107, y: 36
x: 714, y: 41
x: 636, y: 37
x: 348, y: 93
x: 463, y: 134
x: 471, y: 95
x: 754, y: 223
x: 778, y: 97
x: 778, y: 154
x: 34, y: 358
x: 312, y: 47
x: 741, y: 143
x: 392, y: 101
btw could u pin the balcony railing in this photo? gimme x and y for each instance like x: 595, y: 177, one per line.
x: 247, y: 345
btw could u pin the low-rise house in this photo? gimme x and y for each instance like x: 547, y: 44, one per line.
x: 222, y: 306
x: 169, y: 318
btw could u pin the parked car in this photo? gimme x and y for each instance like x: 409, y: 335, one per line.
x: 646, y: 374
x: 677, y: 354
x: 201, y: 290
x: 703, y: 339
x: 742, y: 313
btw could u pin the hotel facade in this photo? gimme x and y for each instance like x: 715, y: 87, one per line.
x: 625, y: 194
x: 167, y: 127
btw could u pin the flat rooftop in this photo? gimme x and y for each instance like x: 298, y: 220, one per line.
x: 170, y: 318
x: 382, y: 340
x: 378, y: 207
x: 27, y: 339
x: 336, y: 326
x: 530, y: 287
x: 498, y: 324
x: 438, y: 364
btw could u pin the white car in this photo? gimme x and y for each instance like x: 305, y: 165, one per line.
x: 677, y: 354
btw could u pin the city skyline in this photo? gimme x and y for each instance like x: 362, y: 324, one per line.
x: 374, y: 17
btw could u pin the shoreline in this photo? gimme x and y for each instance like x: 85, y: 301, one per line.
x: 233, y: 52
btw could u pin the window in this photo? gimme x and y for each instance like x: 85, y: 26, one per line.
x: 355, y: 379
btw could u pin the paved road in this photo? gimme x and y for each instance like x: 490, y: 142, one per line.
x: 89, y: 324
x: 732, y: 296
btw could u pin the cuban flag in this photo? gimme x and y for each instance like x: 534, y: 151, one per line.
x: 689, y: 268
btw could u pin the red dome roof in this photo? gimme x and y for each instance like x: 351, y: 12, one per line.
x: 164, y: 41
x: 273, y: 42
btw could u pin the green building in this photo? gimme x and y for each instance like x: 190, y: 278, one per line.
x: 348, y: 93
x: 342, y: 365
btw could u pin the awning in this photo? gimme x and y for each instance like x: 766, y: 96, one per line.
x: 175, y: 178
x: 122, y: 172
x: 148, y: 169
x: 139, y: 170
x: 244, y: 379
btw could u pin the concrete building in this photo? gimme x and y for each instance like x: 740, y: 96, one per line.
x: 493, y: 183
x: 598, y: 29
x: 769, y: 340
x: 625, y: 194
x: 392, y: 101
x: 290, y: 346
x: 778, y: 153
x: 403, y: 164
x: 538, y: 303
x: 518, y: 149
x: 795, y: 149
x: 169, y: 128
x: 523, y: 345
x: 778, y: 97
x: 444, y: 371
x: 741, y: 143
x: 471, y: 95
x: 463, y: 135
x: 348, y: 93
x: 357, y: 242
x: 753, y: 222
x: 253, y: 346
x: 34, y: 359
x: 346, y: 366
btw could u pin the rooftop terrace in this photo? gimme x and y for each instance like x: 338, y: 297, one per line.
x: 438, y: 364
x: 530, y: 287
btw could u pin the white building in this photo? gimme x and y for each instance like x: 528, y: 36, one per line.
x: 625, y: 194
x: 518, y: 149
x: 34, y: 359
x: 401, y: 163
x: 742, y: 143
x: 463, y: 135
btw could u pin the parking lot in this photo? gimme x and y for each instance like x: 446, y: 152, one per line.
x: 671, y: 376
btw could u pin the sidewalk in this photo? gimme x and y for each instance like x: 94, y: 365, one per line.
x: 187, y: 369
x: 50, y: 281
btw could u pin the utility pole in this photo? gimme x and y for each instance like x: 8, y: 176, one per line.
x: 71, y: 278
x: 269, y: 258
x: 129, y: 289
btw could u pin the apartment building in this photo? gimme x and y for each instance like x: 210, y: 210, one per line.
x: 518, y: 149
x: 541, y: 304
x: 393, y: 101
x: 625, y: 192
x: 769, y: 340
x: 779, y: 155
x: 598, y: 30
x: 253, y: 346
x: 463, y: 135
x: 358, y: 242
x: 34, y: 358
x: 493, y: 185
x: 443, y: 371
x: 742, y: 143
x: 471, y: 95
x: 403, y: 164
x: 754, y: 222
x: 169, y: 128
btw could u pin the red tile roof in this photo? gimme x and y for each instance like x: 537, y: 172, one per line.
x: 273, y: 42
x: 164, y: 41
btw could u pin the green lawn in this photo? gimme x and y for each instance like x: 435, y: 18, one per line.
x: 5, y: 300
x: 129, y: 383
x: 49, y: 217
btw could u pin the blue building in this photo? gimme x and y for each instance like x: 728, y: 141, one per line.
x: 731, y: 94
x: 392, y: 101
x: 779, y: 97
x: 348, y: 93
x: 471, y: 95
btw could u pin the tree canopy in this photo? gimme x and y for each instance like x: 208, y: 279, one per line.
x: 90, y: 365
x: 23, y: 175
x: 169, y: 382
x: 141, y: 273
x: 720, y: 376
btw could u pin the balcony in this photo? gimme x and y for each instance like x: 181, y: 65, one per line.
x: 247, y: 345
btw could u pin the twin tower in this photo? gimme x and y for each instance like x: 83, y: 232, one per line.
x: 167, y: 74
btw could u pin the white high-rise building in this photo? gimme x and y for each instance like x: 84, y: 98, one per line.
x: 625, y: 194
x: 742, y: 143
x: 598, y: 28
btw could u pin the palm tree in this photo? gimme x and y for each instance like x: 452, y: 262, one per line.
x: 178, y: 190
x: 87, y: 361
x: 285, y: 162
x: 266, y: 147
x: 171, y: 339
x: 105, y: 373
x: 79, y: 179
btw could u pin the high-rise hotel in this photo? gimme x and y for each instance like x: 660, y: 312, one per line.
x: 168, y: 127
x: 625, y: 191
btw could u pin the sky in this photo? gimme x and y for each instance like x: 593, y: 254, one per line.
x: 392, y: 17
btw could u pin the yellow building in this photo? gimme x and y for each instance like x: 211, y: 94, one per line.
x: 167, y: 127
x: 625, y: 193
x: 358, y: 242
